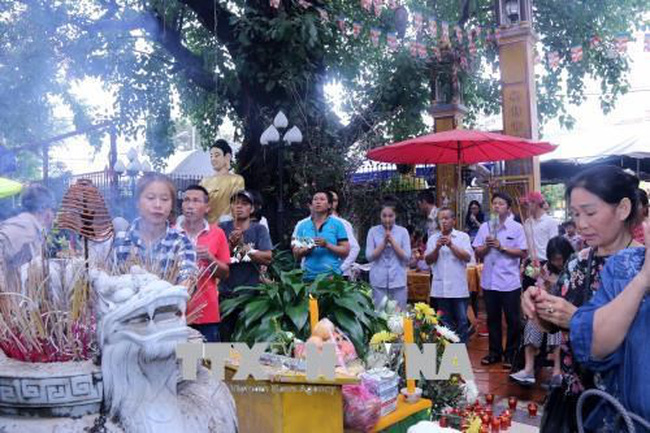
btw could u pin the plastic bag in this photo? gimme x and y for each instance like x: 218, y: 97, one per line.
x: 361, y: 408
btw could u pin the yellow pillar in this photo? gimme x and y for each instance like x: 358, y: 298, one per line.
x: 447, y: 117
x: 517, y: 61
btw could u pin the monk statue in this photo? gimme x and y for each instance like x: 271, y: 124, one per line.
x: 223, y: 184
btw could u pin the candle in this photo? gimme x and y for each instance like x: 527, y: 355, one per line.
x: 496, y: 424
x: 313, y: 312
x: 512, y: 403
x: 408, y: 338
x: 443, y: 421
x: 489, y: 398
x: 532, y: 410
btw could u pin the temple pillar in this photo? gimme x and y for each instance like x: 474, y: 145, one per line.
x: 516, y: 61
x: 447, y: 117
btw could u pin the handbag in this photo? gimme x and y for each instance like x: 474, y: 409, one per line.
x: 559, y: 414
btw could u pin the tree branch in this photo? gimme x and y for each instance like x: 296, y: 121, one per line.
x: 206, y: 11
x: 192, y: 65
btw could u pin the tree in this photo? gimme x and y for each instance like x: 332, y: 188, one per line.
x: 245, y: 59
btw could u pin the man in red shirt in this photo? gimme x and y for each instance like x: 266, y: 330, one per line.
x: 213, y: 261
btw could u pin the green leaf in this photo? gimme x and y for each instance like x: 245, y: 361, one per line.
x: 232, y: 304
x: 348, y: 303
x: 256, y: 309
x: 299, y: 313
x: 352, y: 329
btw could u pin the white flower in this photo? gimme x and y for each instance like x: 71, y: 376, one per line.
x: 470, y: 391
x: 396, y: 324
x: 447, y: 334
x: 430, y: 427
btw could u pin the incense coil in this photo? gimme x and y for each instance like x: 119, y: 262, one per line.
x: 83, y: 210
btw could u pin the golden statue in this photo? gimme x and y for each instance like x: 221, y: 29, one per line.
x: 223, y: 184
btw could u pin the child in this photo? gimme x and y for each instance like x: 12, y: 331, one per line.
x: 558, y: 251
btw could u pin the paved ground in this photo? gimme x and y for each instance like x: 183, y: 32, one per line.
x: 495, y: 380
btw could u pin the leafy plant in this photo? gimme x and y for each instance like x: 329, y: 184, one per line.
x: 283, y: 305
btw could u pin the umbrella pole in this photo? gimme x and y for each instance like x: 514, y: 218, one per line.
x: 459, y: 211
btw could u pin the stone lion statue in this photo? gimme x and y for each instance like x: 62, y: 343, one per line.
x: 141, y: 319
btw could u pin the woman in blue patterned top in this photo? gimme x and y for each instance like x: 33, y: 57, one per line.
x: 609, y: 334
x: 150, y: 241
x: 603, y: 205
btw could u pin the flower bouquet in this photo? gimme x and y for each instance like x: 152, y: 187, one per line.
x: 386, y: 351
x: 241, y: 253
x: 303, y: 242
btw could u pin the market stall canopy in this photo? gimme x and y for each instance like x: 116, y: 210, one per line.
x: 195, y: 163
x: 459, y: 146
x: 631, y: 139
x: 9, y: 187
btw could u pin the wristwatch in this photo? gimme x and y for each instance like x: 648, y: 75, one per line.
x: 502, y: 249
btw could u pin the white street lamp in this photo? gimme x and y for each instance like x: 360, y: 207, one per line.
x: 119, y: 168
x: 270, y: 135
x: 293, y: 136
x: 280, y: 120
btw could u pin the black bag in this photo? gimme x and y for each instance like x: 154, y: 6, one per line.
x: 559, y: 414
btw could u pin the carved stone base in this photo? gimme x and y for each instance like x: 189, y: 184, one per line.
x: 61, y: 389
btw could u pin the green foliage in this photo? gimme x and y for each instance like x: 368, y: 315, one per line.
x: 284, y: 305
x: 555, y: 195
x: 245, y: 60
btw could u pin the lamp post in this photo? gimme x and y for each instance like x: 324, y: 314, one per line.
x: 512, y: 12
x: 271, y: 136
x: 132, y: 169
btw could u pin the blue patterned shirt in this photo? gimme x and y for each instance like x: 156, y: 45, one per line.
x: 174, y: 248
x: 625, y: 372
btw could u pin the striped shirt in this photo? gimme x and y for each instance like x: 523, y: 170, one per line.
x: 172, y: 250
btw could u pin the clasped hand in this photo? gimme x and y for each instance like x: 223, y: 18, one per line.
x: 443, y: 241
x: 539, y: 305
x: 492, y: 242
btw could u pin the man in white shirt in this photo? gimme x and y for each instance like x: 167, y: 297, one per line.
x: 448, y: 252
x: 539, y: 225
x: 539, y: 228
x: 346, y: 266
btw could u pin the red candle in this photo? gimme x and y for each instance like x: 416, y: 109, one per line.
x: 443, y: 421
x: 489, y: 398
x: 489, y: 411
x: 532, y: 410
x: 485, y: 419
x: 512, y: 403
x: 496, y: 424
x: 485, y: 428
x: 506, y: 413
x: 505, y: 422
x: 463, y: 413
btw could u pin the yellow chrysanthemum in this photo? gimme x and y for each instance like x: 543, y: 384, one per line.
x: 475, y: 425
x: 382, y: 337
x: 424, y: 309
x: 431, y: 320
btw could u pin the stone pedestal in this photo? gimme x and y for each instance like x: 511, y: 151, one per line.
x: 60, y: 389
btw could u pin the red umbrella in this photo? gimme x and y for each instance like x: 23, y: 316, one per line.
x: 459, y: 146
